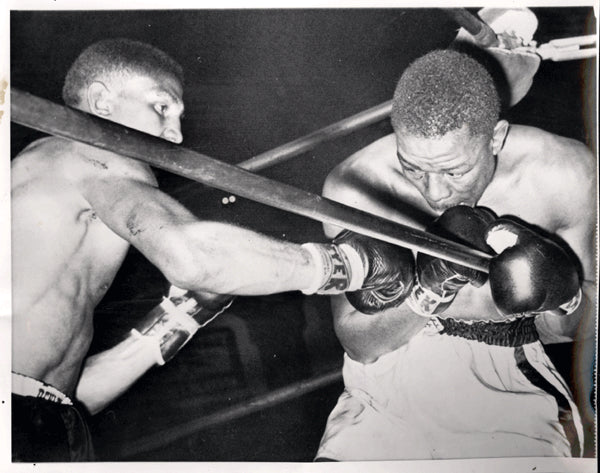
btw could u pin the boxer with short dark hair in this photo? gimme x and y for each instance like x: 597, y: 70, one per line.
x: 76, y: 209
x: 458, y: 370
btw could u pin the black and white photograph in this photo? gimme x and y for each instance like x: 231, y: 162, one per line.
x: 299, y: 235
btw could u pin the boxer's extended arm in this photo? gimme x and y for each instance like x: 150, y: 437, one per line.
x: 192, y: 254
x: 198, y: 255
x: 212, y: 256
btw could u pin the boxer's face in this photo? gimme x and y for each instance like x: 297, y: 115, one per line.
x: 449, y: 170
x: 153, y: 105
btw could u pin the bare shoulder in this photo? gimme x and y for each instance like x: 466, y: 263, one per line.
x: 555, y: 179
x: 379, y: 153
x: 368, y: 168
x: 560, y: 166
x: 66, y: 161
x: 553, y: 153
x: 370, y: 180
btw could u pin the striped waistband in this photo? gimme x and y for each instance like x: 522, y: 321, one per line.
x: 510, y: 333
x: 26, y: 386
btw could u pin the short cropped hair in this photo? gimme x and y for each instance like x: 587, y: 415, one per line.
x: 116, y: 56
x: 442, y: 91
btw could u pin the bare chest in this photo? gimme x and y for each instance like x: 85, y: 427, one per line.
x: 525, y: 200
x: 61, y: 249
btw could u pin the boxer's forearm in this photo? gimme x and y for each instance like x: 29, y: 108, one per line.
x: 367, y: 337
x: 221, y: 258
x: 107, y: 375
x: 577, y: 326
x: 582, y: 382
x: 584, y: 360
x: 580, y: 325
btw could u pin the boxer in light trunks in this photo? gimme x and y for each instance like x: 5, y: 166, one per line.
x: 468, y: 378
x: 75, y: 211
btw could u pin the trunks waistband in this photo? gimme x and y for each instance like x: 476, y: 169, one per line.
x: 510, y: 333
x: 25, y: 386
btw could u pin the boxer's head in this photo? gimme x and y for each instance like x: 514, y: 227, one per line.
x: 445, y: 116
x: 128, y: 82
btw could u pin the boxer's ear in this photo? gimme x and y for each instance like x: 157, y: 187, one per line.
x: 99, y: 99
x: 499, y: 135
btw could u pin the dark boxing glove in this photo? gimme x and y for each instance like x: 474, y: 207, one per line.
x: 172, y: 323
x: 389, y: 276
x: 531, y: 273
x: 437, y: 281
x: 385, y: 272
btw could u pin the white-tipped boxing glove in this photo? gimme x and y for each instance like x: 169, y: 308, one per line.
x: 531, y: 273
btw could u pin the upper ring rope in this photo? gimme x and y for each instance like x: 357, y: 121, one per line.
x: 65, y: 122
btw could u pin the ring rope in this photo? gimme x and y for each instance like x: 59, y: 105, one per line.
x: 256, y: 404
x: 65, y: 122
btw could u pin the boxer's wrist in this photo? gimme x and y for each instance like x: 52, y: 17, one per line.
x: 337, y: 268
x: 150, y: 344
x: 570, y: 306
x: 427, y: 303
x: 167, y: 329
x: 171, y: 324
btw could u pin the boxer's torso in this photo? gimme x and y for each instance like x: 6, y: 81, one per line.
x: 64, y: 260
x: 534, y: 181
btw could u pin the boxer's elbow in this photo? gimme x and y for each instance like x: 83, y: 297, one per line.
x: 575, y: 327
x: 366, y: 338
x: 186, y: 275
x: 183, y: 258
x: 357, y: 334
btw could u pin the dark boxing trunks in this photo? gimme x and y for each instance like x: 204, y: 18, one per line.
x: 46, y: 425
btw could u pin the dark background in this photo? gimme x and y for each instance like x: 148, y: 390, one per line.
x: 256, y: 79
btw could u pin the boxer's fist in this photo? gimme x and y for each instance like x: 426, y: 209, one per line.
x: 438, y: 281
x: 389, y: 273
x: 531, y: 273
x: 375, y: 274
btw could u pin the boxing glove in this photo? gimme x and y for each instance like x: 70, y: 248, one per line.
x: 389, y: 276
x: 171, y: 324
x: 531, y: 273
x: 381, y: 274
x: 437, y: 281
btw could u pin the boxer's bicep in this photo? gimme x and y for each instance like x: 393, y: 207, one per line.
x: 574, y: 198
x: 580, y: 236
x: 134, y: 209
x: 123, y: 195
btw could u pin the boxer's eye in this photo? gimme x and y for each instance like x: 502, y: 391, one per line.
x: 413, y: 173
x: 161, y: 108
